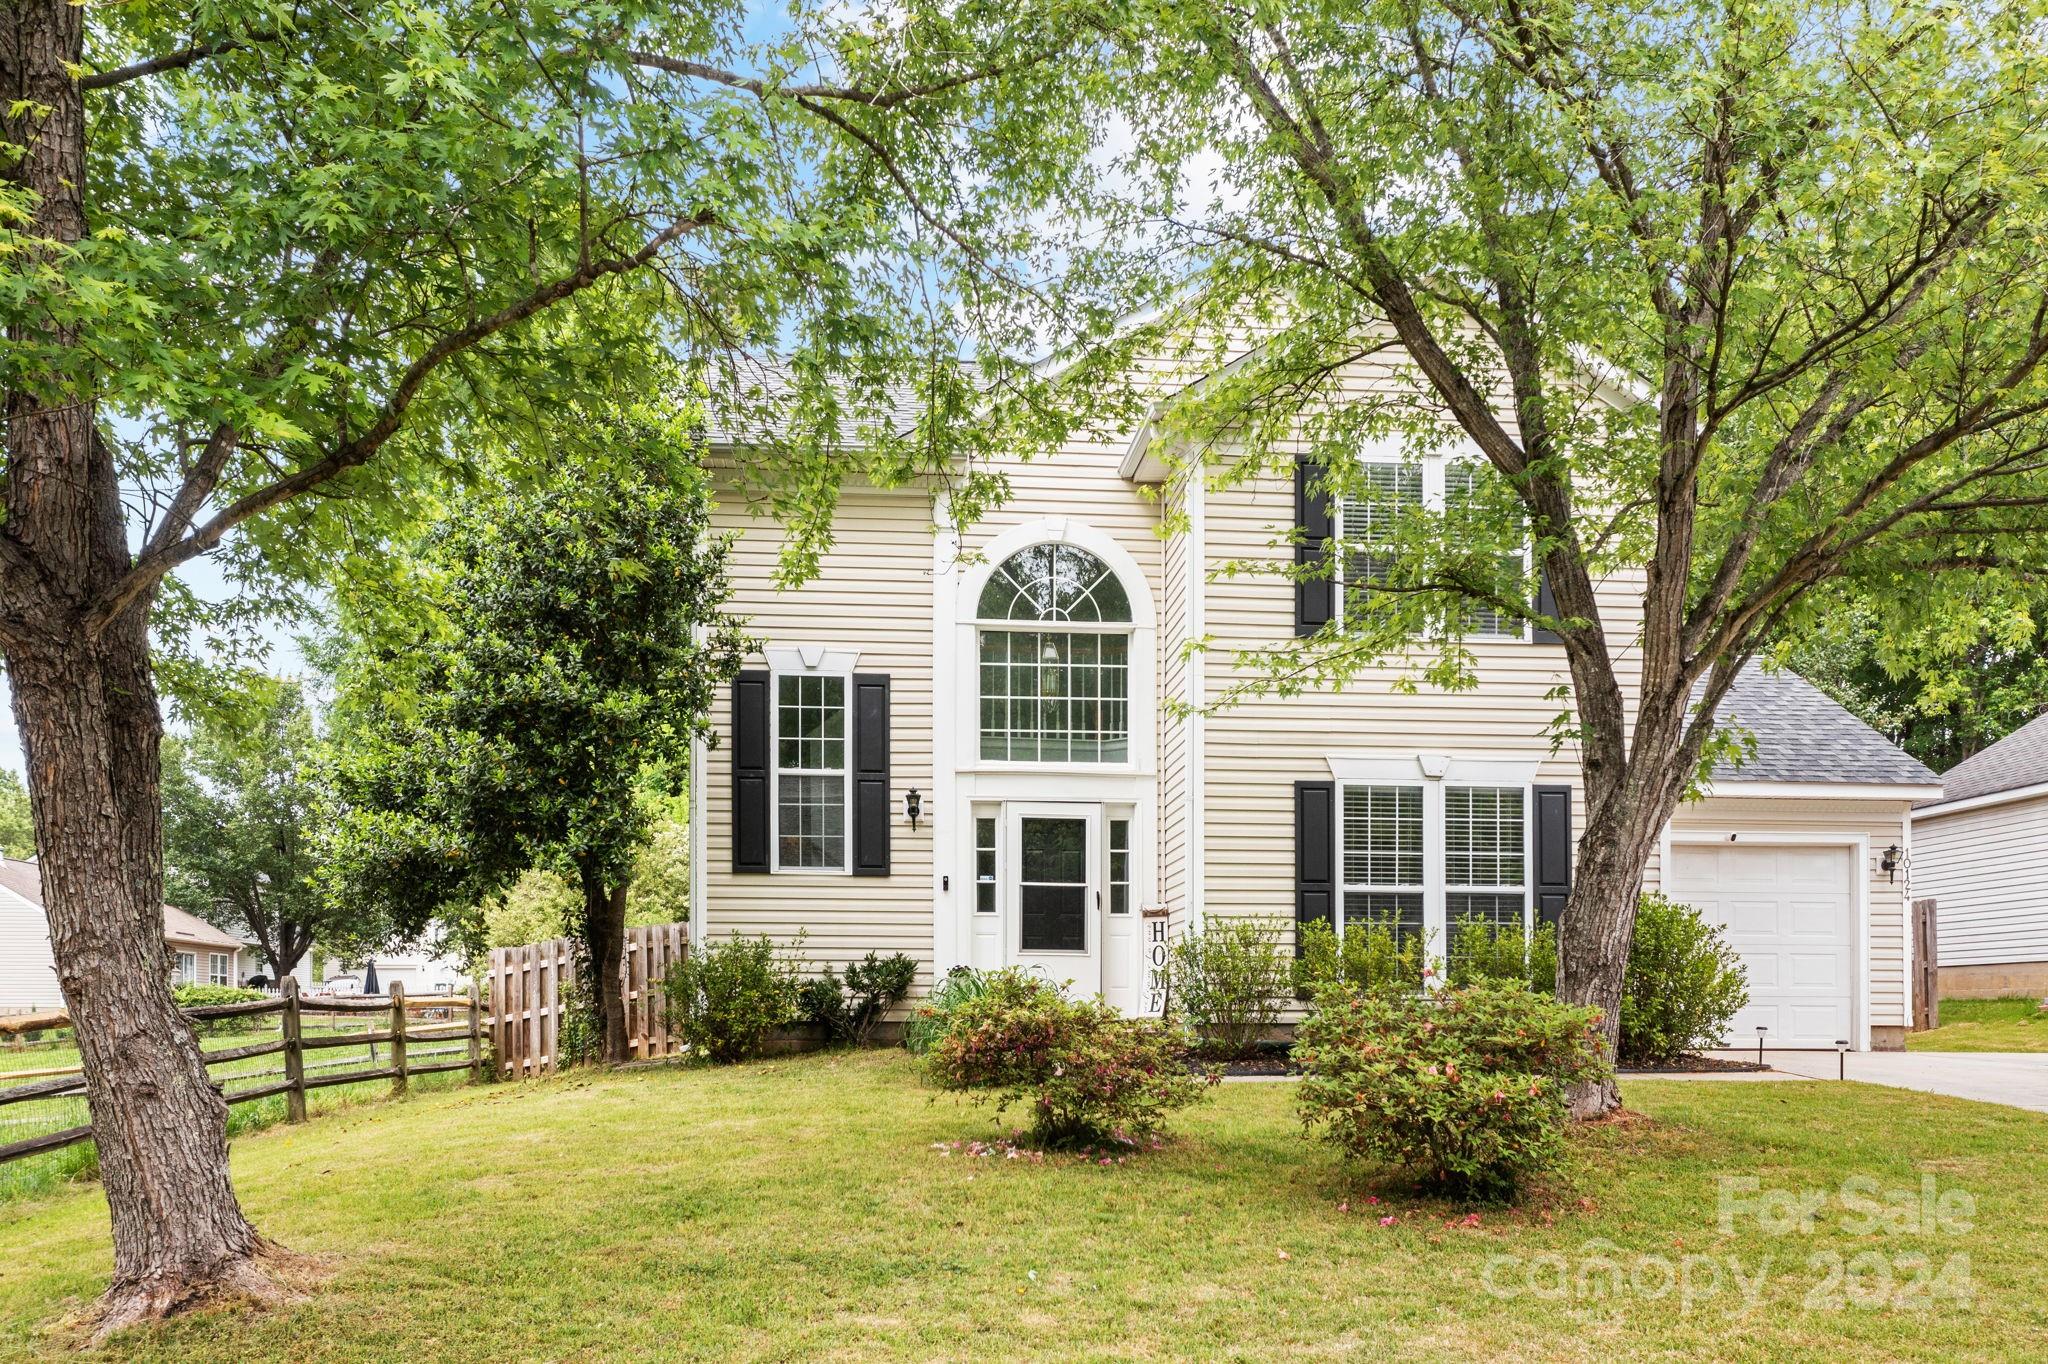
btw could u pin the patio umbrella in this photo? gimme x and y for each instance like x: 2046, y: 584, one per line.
x: 370, y: 978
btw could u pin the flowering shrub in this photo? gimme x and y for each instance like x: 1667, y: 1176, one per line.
x: 1466, y: 1087
x: 1085, y: 1072
x: 1683, y: 987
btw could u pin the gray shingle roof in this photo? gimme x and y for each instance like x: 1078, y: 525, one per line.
x: 2019, y: 759
x: 1803, y: 734
x: 26, y: 881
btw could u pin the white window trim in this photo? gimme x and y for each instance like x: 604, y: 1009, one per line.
x: 1435, y: 887
x: 185, y: 966
x: 811, y: 662
x: 1433, y: 466
x: 226, y: 972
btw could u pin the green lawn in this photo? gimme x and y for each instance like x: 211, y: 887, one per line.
x: 797, y: 1210
x: 1985, y: 1025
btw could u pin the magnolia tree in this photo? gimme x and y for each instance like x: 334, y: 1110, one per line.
x: 573, y: 643
x: 1743, y: 297
x: 264, y: 262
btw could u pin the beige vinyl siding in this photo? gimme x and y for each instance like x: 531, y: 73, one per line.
x: 1881, y: 822
x: 1987, y: 871
x: 873, y: 594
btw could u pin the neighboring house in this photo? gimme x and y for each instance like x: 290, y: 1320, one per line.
x: 1981, y: 853
x: 1009, y: 682
x: 199, y: 953
x: 422, y: 971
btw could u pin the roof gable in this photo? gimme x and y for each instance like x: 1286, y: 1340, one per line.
x: 2019, y: 759
x: 1805, y: 735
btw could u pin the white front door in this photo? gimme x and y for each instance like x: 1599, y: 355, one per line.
x: 1790, y: 912
x: 1055, y: 892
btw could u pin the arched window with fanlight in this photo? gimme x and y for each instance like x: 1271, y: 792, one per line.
x: 1055, y: 648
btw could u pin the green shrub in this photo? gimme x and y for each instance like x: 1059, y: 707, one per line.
x: 1466, y: 1087
x: 206, y: 996
x: 1482, y: 951
x: 1229, y: 982
x: 848, y: 1012
x: 1371, y: 956
x: 930, y: 1019
x: 724, y: 999
x: 1684, y: 984
x: 1085, y: 1072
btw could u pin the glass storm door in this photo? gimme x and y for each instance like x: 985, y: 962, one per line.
x: 1056, y: 898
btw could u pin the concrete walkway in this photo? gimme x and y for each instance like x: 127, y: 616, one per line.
x: 2015, y: 1078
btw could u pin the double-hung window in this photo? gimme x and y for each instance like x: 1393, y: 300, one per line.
x: 217, y: 972
x: 1368, y: 527
x: 810, y: 771
x: 1486, y: 861
x: 186, y: 971
x: 1385, y: 883
x: 1424, y: 859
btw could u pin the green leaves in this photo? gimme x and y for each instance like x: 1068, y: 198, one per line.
x: 559, y: 686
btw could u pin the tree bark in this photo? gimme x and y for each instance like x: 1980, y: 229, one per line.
x: 86, y: 707
x: 604, y: 938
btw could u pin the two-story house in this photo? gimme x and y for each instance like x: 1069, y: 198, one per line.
x: 956, y: 743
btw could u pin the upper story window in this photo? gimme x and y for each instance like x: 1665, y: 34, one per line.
x: 1367, y: 526
x: 1055, y: 649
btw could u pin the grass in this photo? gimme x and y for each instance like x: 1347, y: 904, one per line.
x: 797, y: 1210
x: 1985, y: 1025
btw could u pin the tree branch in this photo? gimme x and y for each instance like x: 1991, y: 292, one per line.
x: 149, y: 568
x: 171, y: 61
x: 849, y: 94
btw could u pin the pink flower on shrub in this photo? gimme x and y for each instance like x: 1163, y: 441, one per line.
x: 1388, y: 1220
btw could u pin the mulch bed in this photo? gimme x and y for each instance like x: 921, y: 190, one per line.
x: 1693, y: 1065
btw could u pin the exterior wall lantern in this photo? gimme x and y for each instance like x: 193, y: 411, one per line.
x: 913, y: 805
x: 1892, y: 860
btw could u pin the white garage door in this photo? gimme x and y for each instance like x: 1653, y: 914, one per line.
x: 1790, y: 912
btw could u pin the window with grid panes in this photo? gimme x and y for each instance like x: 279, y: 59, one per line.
x: 1382, y: 858
x: 810, y: 771
x: 1365, y: 524
x: 984, y: 865
x: 1463, y: 481
x: 1119, y: 866
x: 1059, y: 692
x: 1485, y: 859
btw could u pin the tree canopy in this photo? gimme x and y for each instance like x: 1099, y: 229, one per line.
x: 576, y: 644
x: 1729, y: 298
x: 242, y: 810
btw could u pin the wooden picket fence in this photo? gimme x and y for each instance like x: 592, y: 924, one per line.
x: 526, y: 985
x: 296, y: 1074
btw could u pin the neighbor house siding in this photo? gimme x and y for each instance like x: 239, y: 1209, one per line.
x: 1987, y: 871
x: 28, y: 973
x: 1881, y: 822
x: 873, y: 594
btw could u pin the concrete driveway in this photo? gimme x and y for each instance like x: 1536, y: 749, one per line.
x: 2015, y: 1078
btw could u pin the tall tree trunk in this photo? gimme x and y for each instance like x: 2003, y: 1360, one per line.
x: 87, y: 711
x: 604, y: 938
x: 89, y: 727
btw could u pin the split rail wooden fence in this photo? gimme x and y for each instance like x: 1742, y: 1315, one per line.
x: 527, y: 986
x: 296, y: 1075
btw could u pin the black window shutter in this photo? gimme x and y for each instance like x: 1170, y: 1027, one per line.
x: 1553, y: 851
x: 1314, y: 597
x: 750, y: 794
x: 1546, y: 605
x: 1315, y: 856
x: 870, y: 774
